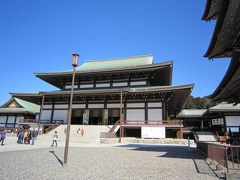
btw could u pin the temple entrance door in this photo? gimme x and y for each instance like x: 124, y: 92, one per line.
x: 77, y: 116
x: 113, y: 116
x: 95, y: 116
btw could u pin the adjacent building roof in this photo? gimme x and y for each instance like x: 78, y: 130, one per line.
x: 226, y: 35
x: 212, y: 9
x: 192, y: 113
x: 225, y: 107
x: 20, y: 106
x: 225, y: 43
x: 229, y: 88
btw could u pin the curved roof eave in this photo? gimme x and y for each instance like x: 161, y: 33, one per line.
x: 167, y: 63
x: 217, y: 29
x: 131, y: 90
x: 232, y: 69
x: 211, y: 11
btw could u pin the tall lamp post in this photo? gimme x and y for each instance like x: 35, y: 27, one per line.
x: 74, y: 64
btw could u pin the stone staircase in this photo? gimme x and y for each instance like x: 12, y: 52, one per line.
x: 206, y: 136
x: 91, y: 134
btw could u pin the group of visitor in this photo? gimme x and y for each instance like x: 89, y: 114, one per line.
x: 27, y: 136
x: 80, y: 131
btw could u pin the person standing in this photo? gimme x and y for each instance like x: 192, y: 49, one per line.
x: 82, y: 132
x: 78, y: 131
x: 25, y: 136
x: 55, y: 138
x: 34, y: 135
x: 2, y: 136
x: 21, y: 137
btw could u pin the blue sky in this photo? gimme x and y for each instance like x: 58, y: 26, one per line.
x: 41, y: 35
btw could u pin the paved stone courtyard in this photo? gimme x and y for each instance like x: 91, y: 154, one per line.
x: 120, y: 162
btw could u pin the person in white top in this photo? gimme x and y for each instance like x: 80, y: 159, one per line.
x: 55, y: 138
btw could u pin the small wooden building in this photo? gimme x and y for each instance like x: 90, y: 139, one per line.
x: 15, y: 111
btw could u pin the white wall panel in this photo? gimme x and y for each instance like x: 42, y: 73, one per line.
x: 86, y: 86
x: 47, y: 106
x: 135, y: 114
x: 155, y: 104
x: 3, y: 119
x: 70, y: 86
x: 61, y: 106
x: 11, y: 119
x: 135, y: 105
x: 137, y: 83
x: 103, y: 85
x: 60, y: 115
x: 154, y: 114
x: 79, y: 106
x: 119, y: 84
x: 95, y: 105
x: 233, y: 121
x: 45, y: 115
x: 113, y: 105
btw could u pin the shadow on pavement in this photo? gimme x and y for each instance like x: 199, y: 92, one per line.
x: 180, y: 152
x: 59, y: 160
x: 169, y: 151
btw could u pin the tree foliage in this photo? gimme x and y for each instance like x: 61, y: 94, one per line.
x: 198, y: 103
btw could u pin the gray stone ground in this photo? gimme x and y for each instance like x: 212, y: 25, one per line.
x: 122, y: 162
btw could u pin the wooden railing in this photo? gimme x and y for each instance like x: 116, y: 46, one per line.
x: 53, y: 126
x: 196, y: 137
x: 51, y: 121
x: 226, y: 155
x: 117, y: 123
x: 147, y: 122
x: 28, y: 121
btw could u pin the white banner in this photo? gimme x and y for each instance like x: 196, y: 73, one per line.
x: 153, y: 132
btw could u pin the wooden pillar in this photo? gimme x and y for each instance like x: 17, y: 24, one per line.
x: 121, y: 106
x: 120, y: 134
x: 87, y: 115
x: 15, y: 119
x: 40, y: 113
x: 201, y: 125
x: 224, y: 122
x: 105, y: 117
x: 180, y: 133
x: 52, y: 113
x: 6, y: 121
x: 146, y: 111
x: 164, y: 115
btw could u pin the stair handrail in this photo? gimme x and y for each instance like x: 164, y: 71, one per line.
x: 196, y: 137
x: 52, y: 127
x: 118, y: 122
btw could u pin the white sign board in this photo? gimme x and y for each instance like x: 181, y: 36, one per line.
x: 218, y: 121
x: 153, y: 132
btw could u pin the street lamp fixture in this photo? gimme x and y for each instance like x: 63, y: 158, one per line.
x: 75, y: 58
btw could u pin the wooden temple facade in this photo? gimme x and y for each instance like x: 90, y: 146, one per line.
x: 133, y: 89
